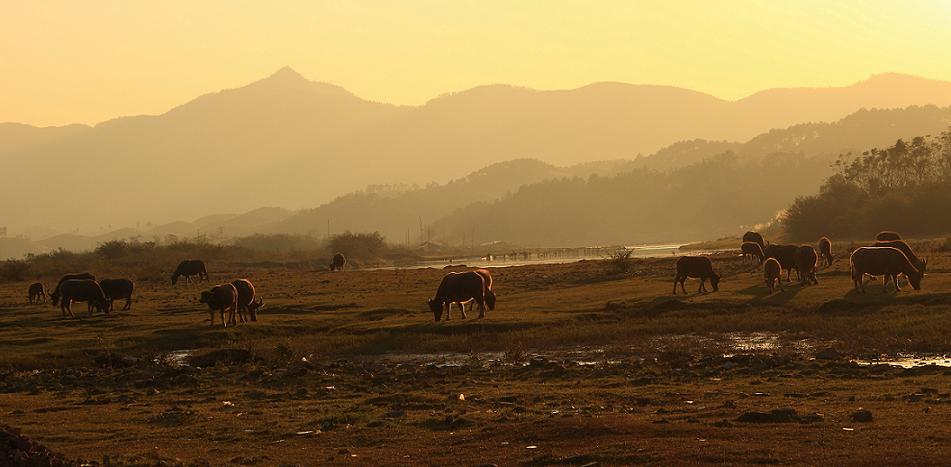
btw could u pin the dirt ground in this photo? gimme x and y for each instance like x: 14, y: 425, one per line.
x: 578, y: 365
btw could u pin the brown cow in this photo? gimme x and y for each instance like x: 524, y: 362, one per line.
x: 887, y: 236
x: 189, y: 268
x: 698, y: 267
x: 338, y: 262
x: 116, y: 289
x: 786, y: 255
x: 246, y: 301
x: 773, y: 272
x: 54, y: 297
x: 825, y: 250
x: 884, y: 261
x: 458, y: 287
x: 920, y: 264
x: 82, y: 290
x: 807, y: 261
x: 753, y: 250
x: 222, y: 297
x: 36, y: 292
x: 755, y: 237
x: 489, y: 293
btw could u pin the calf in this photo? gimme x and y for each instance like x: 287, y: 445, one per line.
x: 773, y: 272
x: 36, y: 292
x: 887, y: 236
x: 223, y: 297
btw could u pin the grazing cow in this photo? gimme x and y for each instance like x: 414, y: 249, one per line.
x: 887, y: 236
x: 697, y: 267
x: 755, y: 237
x: 116, y: 289
x: 489, y: 293
x: 883, y: 261
x: 753, y: 250
x: 246, y: 301
x: 37, y: 292
x: 222, y: 297
x: 458, y: 287
x: 807, y: 260
x: 825, y: 250
x: 338, y: 262
x: 920, y: 264
x: 773, y: 272
x: 82, y: 290
x: 189, y: 268
x: 54, y: 297
x: 786, y: 255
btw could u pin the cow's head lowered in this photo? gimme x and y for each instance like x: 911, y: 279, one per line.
x: 436, y: 308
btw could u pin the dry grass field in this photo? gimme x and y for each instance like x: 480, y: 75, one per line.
x: 578, y: 365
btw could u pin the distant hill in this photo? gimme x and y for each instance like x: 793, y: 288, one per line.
x: 287, y: 141
x: 692, y: 200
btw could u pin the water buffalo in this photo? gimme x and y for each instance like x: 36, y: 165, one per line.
x: 222, y: 297
x: 696, y: 267
x: 755, y: 237
x: 116, y: 289
x: 807, y: 260
x: 887, y: 236
x: 36, y: 292
x: 458, y: 287
x: 246, y: 301
x: 825, y: 250
x: 338, y: 262
x: 189, y: 268
x: 54, y: 297
x: 920, y: 264
x: 489, y: 293
x: 786, y: 255
x: 773, y: 272
x: 82, y: 290
x: 753, y: 250
x: 883, y: 261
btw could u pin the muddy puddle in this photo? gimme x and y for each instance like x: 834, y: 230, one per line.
x: 729, y: 344
x: 908, y: 361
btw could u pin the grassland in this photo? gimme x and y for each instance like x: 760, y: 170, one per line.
x: 582, y: 363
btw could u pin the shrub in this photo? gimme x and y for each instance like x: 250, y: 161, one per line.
x: 13, y: 270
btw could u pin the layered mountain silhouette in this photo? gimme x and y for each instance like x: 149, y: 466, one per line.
x: 287, y: 141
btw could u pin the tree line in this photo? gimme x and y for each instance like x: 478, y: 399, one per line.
x: 904, y: 187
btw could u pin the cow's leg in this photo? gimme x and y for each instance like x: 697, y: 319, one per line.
x: 128, y: 303
x: 67, y: 302
x: 895, y: 280
x: 481, y: 308
x: 702, y: 289
x: 448, y: 307
x: 462, y: 311
x: 683, y: 279
x: 211, y: 317
x: 676, y: 278
x: 779, y: 281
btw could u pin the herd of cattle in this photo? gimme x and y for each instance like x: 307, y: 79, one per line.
x: 235, y: 298
x: 889, y: 257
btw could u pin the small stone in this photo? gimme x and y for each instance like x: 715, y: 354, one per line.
x: 862, y: 416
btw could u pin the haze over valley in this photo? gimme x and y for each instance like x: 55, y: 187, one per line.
x: 316, y: 152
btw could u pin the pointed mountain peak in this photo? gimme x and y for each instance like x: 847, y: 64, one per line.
x: 286, y: 74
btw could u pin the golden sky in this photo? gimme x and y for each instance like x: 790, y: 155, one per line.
x: 90, y: 60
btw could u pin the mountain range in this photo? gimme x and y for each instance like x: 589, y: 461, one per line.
x: 291, y: 142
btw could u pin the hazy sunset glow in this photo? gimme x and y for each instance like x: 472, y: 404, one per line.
x: 77, y: 61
